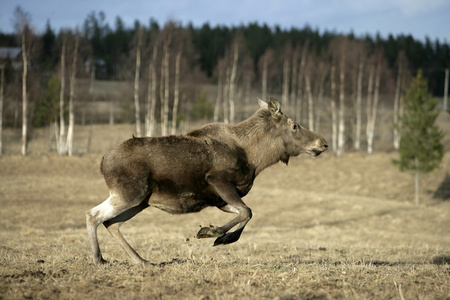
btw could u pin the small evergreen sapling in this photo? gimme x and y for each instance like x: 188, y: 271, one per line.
x: 420, y: 150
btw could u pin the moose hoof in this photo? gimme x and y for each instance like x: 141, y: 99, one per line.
x: 208, y: 232
x: 227, y: 238
x: 224, y: 239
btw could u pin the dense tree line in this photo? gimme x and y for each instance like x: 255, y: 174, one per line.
x: 348, y: 75
x: 113, y: 44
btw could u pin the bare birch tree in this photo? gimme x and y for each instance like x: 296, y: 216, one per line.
x: 301, y: 71
x: 310, y: 73
x: 61, y: 145
x: 265, y: 65
x: 136, y: 82
x: 341, y: 128
x: 359, y: 86
x: 372, y: 106
x: 2, y: 91
x: 248, y: 75
x: 264, y: 76
x: 72, y: 97
x: 286, y: 79
x: 294, y: 77
x: 176, y: 90
x: 226, y: 91
x: 219, y: 90
x: 161, y: 91
x: 398, y: 97
x: 321, y: 89
x: 369, y: 102
x: 151, y: 94
x: 310, y: 102
x: 165, y: 107
x: 333, y: 108
x: 232, y: 88
x: 445, y: 104
x: 24, y: 27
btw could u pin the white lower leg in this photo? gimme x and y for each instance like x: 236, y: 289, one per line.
x: 95, y: 217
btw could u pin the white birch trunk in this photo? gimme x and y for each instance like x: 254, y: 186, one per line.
x: 319, y: 102
x: 161, y: 93
x: 247, y: 84
x: 226, y: 89
x: 151, y: 95
x: 397, y: 99
x: 56, y: 131
x: 62, y: 129
x: 341, y: 129
x: 136, y: 84
x: 72, y: 99
x: 232, y: 91
x: 369, y: 106
x: 219, y: 95
x: 2, y: 88
x: 285, y: 93
x: 310, y: 103
x: 111, y: 111
x: 416, y: 181
x: 373, y: 116
x: 166, y: 89
x: 294, y: 79
x: 264, y: 79
x: 333, y: 109
x: 176, y: 92
x: 445, y: 104
x: 359, y: 106
x: 24, y: 95
x: 299, y: 103
x: 91, y: 93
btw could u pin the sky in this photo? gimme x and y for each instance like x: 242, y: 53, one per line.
x: 420, y: 18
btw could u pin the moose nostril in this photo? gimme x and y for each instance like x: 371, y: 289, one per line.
x: 326, y: 146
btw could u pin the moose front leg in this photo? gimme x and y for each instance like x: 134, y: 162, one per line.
x: 216, y: 231
x: 228, y: 193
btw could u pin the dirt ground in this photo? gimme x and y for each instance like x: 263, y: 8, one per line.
x: 324, y: 228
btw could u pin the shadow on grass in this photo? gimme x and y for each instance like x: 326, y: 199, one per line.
x: 443, y: 191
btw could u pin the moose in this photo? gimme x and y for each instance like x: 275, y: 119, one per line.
x: 214, y: 165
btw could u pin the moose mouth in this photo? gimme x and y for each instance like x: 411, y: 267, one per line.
x: 316, y: 152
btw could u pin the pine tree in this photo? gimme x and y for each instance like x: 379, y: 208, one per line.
x: 420, y: 150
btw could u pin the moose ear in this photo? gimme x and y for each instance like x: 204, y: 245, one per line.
x: 274, y: 106
x: 262, y: 104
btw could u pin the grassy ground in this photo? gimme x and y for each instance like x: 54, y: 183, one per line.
x: 322, y: 228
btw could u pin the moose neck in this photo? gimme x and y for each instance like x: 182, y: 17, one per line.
x: 263, y: 147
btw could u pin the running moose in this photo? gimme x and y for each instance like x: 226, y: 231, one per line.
x: 214, y: 165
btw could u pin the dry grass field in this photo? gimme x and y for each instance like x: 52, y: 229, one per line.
x: 324, y: 228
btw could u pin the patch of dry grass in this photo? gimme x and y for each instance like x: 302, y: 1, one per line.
x: 58, y: 267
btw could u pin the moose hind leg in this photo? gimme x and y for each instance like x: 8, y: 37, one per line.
x: 95, y: 217
x: 114, y: 224
x: 109, y: 209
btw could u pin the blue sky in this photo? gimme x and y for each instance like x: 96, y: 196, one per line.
x: 419, y: 18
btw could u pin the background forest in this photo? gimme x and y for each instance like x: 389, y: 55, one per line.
x: 166, y: 77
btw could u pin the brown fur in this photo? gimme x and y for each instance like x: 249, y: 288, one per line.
x: 214, y: 165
